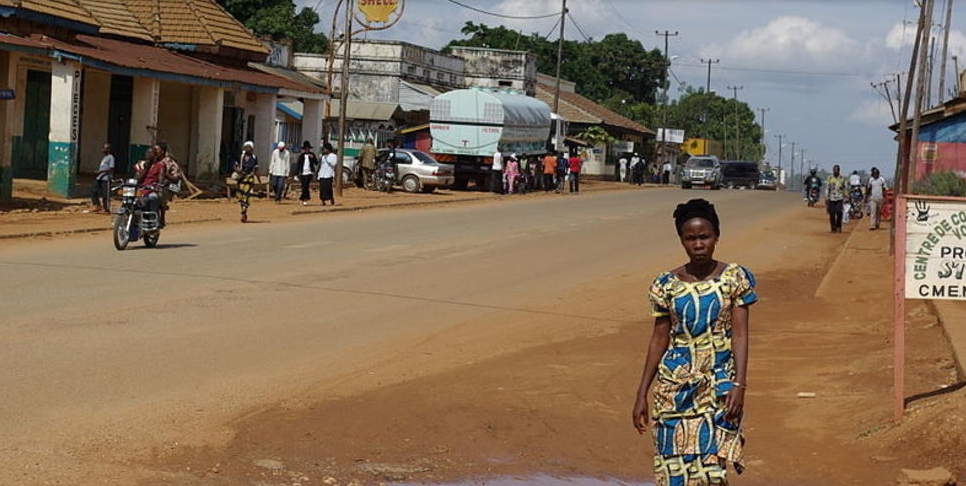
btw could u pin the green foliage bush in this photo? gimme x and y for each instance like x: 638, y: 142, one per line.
x: 946, y: 183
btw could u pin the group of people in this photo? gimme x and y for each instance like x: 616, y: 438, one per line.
x: 636, y: 171
x: 303, y: 167
x: 837, y: 189
x: 514, y: 174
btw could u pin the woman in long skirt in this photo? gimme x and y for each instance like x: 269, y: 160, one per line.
x: 327, y: 173
x: 697, y: 358
x: 248, y: 167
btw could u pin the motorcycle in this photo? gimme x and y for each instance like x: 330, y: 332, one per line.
x: 814, y: 191
x: 855, y: 200
x: 384, y: 177
x: 133, y: 221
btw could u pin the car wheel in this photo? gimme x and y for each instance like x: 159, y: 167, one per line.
x: 411, y: 183
x: 346, y: 176
x: 428, y: 189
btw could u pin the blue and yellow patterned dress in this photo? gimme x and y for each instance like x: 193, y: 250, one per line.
x: 693, y: 441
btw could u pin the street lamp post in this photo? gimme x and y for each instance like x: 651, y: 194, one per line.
x: 780, y: 145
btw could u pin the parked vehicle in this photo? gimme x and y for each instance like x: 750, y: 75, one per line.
x: 385, y: 175
x: 701, y: 170
x: 856, y: 200
x: 813, y: 193
x: 767, y: 180
x: 467, y: 126
x: 417, y: 171
x: 739, y: 173
x: 133, y: 220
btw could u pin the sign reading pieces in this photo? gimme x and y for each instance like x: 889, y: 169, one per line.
x: 378, y: 10
x: 935, y: 250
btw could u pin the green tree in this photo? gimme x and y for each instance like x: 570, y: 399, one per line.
x: 707, y: 115
x: 278, y: 19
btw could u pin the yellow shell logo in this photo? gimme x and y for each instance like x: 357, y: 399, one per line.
x: 378, y: 10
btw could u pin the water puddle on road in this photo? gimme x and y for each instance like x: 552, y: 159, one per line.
x: 538, y: 480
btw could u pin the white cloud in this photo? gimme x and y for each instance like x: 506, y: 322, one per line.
x: 791, y: 43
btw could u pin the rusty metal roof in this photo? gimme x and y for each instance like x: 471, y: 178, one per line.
x: 144, y: 60
x: 576, y: 108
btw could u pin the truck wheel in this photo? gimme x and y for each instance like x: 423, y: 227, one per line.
x: 460, y: 184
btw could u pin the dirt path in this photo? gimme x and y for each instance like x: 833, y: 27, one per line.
x: 564, y: 408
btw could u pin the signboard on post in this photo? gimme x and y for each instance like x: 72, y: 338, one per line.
x: 935, y: 260
x: 378, y: 11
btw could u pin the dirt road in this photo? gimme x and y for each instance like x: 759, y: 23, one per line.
x: 465, y: 403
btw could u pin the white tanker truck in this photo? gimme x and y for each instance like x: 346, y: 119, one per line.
x: 468, y: 125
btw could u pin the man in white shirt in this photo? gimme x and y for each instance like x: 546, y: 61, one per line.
x: 875, y: 196
x: 666, y: 173
x: 623, y: 169
x: 101, y: 189
x: 496, y: 182
x: 278, y: 170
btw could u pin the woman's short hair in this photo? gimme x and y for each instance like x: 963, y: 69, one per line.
x: 696, y: 208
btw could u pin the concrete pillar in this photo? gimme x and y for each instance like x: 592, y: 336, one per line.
x: 312, y: 122
x: 65, y: 113
x: 97, y: 100
x: 206, y: 141
x: 264, y: 129
x: 8, y: 79
x: 144, y: 117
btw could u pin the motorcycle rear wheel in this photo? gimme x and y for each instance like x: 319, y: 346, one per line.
x: 122, y: 233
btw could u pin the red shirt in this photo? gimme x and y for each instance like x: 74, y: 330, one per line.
x: 154, y: 175
x: 575, y: 164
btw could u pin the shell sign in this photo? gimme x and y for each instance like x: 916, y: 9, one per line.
x: 378, y: 10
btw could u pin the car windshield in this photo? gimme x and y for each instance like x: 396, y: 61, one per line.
x: 767, y: 175
x: 701, y: 163
x: 424, y: 157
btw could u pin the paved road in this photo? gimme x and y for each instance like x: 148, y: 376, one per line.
x: 123, y: 352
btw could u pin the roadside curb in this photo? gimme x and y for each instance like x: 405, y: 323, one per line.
x: 47, y: 234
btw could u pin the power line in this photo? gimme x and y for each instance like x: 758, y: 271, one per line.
x: 573, y: 21
x: 502, y: 16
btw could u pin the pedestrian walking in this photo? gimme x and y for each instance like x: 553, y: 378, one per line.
x: 622, y: 169
x: 573, y: 167
x: 549, y: 168
x: 835, y: 198
x: 307, y: 166
x: 327, y: 173
x: 496, y: 179
x: 278, y: 170
x: 247, y: 166
x: 697, y: 359
x: 875, y: 197
x: 512, y: 174
x: 367, y: 163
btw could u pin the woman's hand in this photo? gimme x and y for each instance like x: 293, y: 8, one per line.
x: 734, y: 403
x: 640, y: 416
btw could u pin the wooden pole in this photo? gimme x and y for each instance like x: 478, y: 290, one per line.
x: 343, y: 97
x: 899, y: 307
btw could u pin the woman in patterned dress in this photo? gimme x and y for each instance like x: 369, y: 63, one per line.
x: 697, y: 358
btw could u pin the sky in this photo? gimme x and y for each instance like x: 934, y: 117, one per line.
x: 809, y: 67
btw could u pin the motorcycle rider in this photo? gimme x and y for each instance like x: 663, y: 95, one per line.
x: 154, y: 175
x: 855, y: 182
x: 811, y: 180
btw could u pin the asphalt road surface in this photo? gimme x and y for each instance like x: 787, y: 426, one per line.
x: 108, y: 356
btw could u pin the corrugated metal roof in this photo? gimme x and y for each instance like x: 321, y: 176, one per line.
x: 364, y: 110
x: 149, y: 60
x: 576, y: 108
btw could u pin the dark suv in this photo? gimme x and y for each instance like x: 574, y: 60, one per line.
x: 737, y: 173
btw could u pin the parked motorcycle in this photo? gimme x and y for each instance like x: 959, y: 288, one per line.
x: 855, y: 201
x: 814, y: 191
x: 133, y: 221
x: 384, y: 177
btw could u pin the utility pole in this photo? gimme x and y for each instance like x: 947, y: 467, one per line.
x: 556, y: 90
x: 343, y: 96
x: 945, y: 51
x: 734, y: 98
x: 764, y: 144
x: 921, y: 79
x: 667, y: 67
x: 956, y: 67
x: 792, y: 166
x: 709, y: 62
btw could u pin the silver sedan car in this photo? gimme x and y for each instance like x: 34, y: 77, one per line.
x: 417, y: 171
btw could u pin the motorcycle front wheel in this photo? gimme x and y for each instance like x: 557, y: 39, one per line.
x: 122, y: 230
x: 151, y: 239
